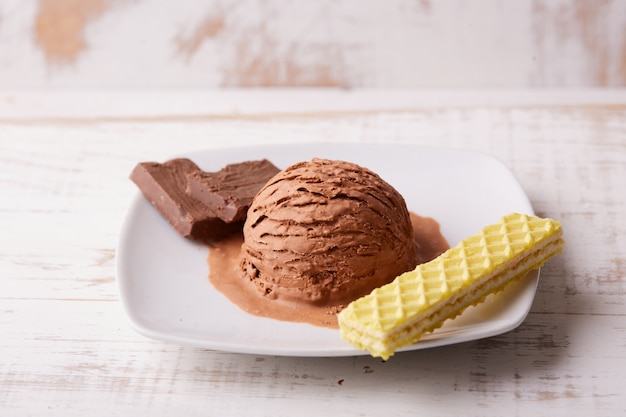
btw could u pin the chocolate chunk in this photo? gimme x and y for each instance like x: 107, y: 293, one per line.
x: 229, y: 191
x: 164, y: 185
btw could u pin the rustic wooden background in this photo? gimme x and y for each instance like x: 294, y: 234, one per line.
x: 66, y: 348
x: 88, y: 88
x: 329, y: 43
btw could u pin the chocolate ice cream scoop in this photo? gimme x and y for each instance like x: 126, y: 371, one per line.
x: 326, y: 232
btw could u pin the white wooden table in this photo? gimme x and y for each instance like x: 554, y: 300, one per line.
x: 66, y: 348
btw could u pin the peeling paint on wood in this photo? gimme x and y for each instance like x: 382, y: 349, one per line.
x: 338, y: 43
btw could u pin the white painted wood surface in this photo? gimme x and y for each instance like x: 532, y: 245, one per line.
x: 51, y: 44
x: 66, y: 348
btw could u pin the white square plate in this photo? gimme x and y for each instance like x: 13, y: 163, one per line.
x: 163, y: 278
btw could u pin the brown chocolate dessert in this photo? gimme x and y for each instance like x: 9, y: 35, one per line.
x: 226, y: 276
x: 326, y: 232
x: 199, y: 211
x: 318, y: 234
x: 230, y: 190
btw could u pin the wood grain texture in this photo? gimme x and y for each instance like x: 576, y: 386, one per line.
x: 67, y: 349
x: 326, y: 43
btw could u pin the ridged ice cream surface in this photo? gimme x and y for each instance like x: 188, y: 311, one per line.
x: 326, y: 232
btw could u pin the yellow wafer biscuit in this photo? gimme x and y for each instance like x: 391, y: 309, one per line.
x: 419, y: 301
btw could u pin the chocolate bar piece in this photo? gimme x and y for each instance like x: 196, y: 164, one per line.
x: 229, y: 191
x: 164, y: 185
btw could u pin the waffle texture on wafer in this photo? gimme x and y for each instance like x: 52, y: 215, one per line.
x: 399, y: 313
